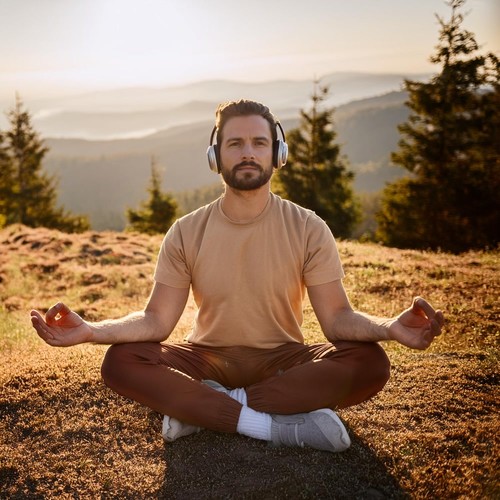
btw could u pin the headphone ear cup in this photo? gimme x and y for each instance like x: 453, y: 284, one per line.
x: 280, y: 153
x: 213, y: 158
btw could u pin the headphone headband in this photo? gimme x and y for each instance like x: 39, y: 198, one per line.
x: 278, y: 125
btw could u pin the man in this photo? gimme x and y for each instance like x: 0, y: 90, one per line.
x: 248, y: 257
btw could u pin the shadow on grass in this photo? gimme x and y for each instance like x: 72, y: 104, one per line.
x: 62, y: 436
x: 210, y: 465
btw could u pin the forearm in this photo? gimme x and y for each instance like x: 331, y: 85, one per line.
x: 136, y: 327
x: 415, y: 327
x: 358, y: 326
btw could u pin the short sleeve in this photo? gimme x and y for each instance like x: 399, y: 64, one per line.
x: 171, y: 266
x: 322, y: 261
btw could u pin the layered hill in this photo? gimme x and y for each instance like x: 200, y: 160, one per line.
x: 102, y: 178
x: 101, y: 144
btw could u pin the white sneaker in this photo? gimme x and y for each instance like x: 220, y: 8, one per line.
x: 173, y: 429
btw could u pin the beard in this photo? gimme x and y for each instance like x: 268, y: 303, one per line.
x: 246, y: 181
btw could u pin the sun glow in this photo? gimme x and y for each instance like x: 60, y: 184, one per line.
x: 61, y: 46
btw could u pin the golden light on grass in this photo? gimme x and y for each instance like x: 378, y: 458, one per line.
x: 432, y: 432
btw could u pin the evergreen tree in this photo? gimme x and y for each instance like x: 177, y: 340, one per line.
x: 158, y: 213
x: 451, y: 146
x: 28, y: 193
x: 316, y: 176
x: 191, y: 199
x: 6, y: 179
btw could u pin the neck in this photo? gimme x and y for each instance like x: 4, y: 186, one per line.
x: 244, y: 206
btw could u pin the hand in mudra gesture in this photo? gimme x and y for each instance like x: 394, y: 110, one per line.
x: 417, y: 326
x: 61, y: 326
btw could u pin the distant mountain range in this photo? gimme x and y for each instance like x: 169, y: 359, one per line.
x: 101, y: 144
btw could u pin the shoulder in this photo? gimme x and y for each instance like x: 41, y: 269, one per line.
x: 197, y: 217
x: 297, y: 215
x: 290, y: 209
x: 187, y: 227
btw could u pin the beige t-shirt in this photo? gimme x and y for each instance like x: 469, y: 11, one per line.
x: 248, y: 279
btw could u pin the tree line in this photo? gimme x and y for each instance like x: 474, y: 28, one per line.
x: 449, y: 146
x: 27, y: 194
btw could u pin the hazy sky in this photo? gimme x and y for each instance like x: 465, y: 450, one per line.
x: 66, y: 46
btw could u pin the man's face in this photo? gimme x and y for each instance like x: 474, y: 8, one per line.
x: 246, y: 152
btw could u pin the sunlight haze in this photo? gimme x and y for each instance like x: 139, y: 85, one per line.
x: 55, y: 47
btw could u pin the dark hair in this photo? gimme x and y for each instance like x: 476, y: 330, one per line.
x: 243, y: 107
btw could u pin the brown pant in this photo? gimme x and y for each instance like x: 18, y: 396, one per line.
x: 291, y: 378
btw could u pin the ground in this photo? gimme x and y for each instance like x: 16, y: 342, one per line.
x: 431, y: 433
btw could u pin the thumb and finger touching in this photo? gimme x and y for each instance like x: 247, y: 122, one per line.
x: 56, y: 312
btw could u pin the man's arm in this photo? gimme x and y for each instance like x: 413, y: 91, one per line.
x: 415, y: 327
x: 63, y: 327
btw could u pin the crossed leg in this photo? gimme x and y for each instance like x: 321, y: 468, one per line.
x: 291, y: 378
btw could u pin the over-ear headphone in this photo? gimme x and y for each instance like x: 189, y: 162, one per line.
x: 280, y: 151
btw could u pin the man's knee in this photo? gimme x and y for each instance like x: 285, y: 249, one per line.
x: 369, y: 360
x: 113, y: 362
x: 378, y: 364
x: 120, y: 360
x: 369, y: 367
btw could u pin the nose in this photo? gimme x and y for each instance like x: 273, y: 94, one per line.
x: 247, y: 151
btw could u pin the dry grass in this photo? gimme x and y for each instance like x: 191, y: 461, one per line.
x: 432, y: 433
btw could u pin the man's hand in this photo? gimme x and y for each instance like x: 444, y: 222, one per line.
x: 417, y: 326
x: 61, y: 326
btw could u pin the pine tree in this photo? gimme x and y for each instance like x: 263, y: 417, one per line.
x: 316, y: 176
x: 451, y: 146
x: 6, y: 182
x: 28, y: 193
x: 158, y: 213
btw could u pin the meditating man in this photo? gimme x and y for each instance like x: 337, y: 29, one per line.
x: 249, y: 258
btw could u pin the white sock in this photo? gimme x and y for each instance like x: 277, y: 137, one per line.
x: 240, y: 395
x: 254, y: 424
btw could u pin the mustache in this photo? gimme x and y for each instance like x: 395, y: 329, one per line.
x: 247, y: 164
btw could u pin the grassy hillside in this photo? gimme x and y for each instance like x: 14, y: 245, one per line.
x: 432, y: 432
